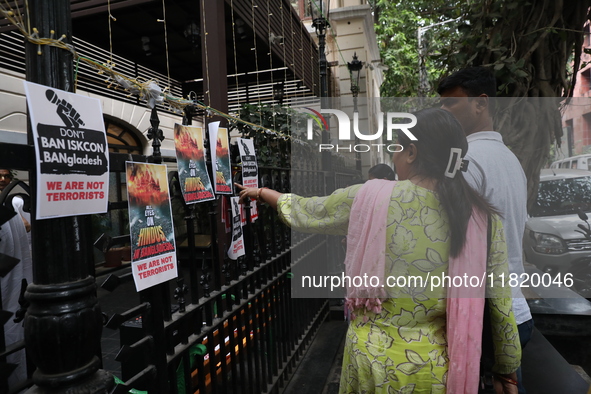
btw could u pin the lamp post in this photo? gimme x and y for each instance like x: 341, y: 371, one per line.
x: 278, y: 93
x: 423, y: 77
x: 319, y: 12
x: 320, y: 23
x: 355, y: 67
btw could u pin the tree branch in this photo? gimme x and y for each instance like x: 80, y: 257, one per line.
x: 557, y: 11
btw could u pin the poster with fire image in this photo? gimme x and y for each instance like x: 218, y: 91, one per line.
x: 190, y: 155
x: 220, y: 158
x: 153, y: 250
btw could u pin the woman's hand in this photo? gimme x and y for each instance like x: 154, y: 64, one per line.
x: 246, y: 192
x: 262, y: 194
x: 506, y: 384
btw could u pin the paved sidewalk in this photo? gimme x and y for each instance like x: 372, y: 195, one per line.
x: 319, y: 369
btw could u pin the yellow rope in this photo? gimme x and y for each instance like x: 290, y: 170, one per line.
x: 283, y: 39
x: 109, y: 18
x: 234, y: 49
x: 269, y: 32
x: 205, y: 92
x: 165, y: 41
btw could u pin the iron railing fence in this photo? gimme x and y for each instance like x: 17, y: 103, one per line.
x: 222, y: 326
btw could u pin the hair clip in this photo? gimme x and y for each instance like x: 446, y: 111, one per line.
x: 454, y: 163
x: 464, y: 165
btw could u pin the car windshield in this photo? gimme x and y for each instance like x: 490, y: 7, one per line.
x: 563, y: 197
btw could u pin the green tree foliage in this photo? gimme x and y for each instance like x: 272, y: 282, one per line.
x: 534, y: 47
x: 397, y: 26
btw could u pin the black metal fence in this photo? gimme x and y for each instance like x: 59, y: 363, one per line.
x: 222, y: 326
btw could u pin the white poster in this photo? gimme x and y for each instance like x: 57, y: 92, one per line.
x: 71, y: 152
x: 250, y: 169
x: 237, y: 246
x: 250, y: 174
x: 254, y: 212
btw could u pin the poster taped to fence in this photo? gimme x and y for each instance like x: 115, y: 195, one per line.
x: 250, y: 174
x: 153, y: 250
x: 220, y: 158
x: 192, y: 169
x: 254, y: 212
x: 71, y: 152
x: 248, y: 157
x: 237, y: 246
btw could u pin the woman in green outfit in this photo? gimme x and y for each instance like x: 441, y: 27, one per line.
x: 419, y: 336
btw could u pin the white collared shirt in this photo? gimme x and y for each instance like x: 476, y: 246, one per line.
x: 495, y: 172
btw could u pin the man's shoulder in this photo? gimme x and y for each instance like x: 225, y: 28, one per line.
x: 485, y: 138
x: 489, y: 145
x: 492, y: 158
x: 493, y: 150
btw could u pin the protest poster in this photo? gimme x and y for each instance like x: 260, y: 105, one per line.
x: 250, y: 169
x: 220, y: 158
x: 226, y: 215
x: 193, y: 175
x: 254, y: 212
x: 71, y: 152
x: 237, y: 246
x: 153, y: 250
x: 250, y: 174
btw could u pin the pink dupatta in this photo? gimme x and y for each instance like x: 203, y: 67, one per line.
x: 366, y: 245
x: 465, y: 310
x: 366, y: 253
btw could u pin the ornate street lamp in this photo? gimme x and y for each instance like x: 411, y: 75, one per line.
x: 355, y: 67
x: 278, y: 92
x: 319, y: 12
x: 193, y: 34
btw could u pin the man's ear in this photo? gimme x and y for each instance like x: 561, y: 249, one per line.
x: 481, y: 102
x: 412, y: 153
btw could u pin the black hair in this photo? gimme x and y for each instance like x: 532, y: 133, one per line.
x: 437, y: 131
x: 355, y: 181
x: 382, y: 171
x: 473, y: 80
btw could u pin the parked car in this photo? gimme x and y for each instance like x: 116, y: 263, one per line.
x: 581, y: 162
x: 551, y: 240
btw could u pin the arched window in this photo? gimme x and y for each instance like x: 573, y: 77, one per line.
x: 122, y: 139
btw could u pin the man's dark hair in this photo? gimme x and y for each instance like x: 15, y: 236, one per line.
x: 355, y: 181
x: 473, y: 80
x: 382, y: 171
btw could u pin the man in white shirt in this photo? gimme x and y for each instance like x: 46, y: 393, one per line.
x: 494, y: 171
x: 6, y: 177
x: 14, y: 243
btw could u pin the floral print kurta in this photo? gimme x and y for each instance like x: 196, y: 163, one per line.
x: 403, y: 348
